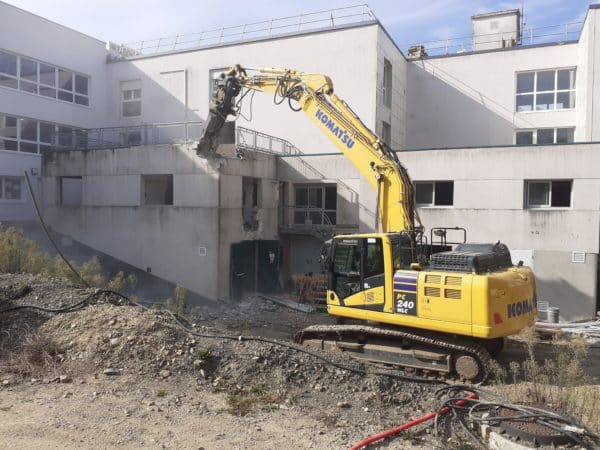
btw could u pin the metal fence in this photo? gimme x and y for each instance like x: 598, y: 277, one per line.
x: 529, y: 36
x: 165, y: 133
x: 257, y: 141
x: 329, y: 18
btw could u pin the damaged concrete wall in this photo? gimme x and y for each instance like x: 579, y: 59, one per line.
x: 188, y: 242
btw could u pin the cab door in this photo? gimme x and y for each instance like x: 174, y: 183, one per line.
x: 358, y: 273
x: 373, y: 281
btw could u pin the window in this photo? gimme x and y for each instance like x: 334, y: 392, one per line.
x: 8, y: 133
x: 10, y: 189
x: 386, y: 133
x: 545, y: 136
x: 434, y: 193
x: 548, y: 194
x: 214, y: 75
x: 32, y: 136
x: 8, y: 70
x: 131, y: 101
x: 315, y: 205
x: 545, y: 90
x: 157, y: 189
x: 387, y: 83
x: 43, y: 79
x: 71, y: 191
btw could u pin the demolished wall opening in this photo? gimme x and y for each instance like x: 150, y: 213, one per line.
x: 251, y: 202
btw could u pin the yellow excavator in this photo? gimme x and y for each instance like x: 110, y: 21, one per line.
x: 424, y: 303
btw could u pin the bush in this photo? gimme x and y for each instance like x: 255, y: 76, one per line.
x: 559, y: 381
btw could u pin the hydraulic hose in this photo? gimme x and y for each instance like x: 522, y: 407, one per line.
x: 410, y: 423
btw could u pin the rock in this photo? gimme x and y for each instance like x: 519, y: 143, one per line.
x: 365, y: 409
x: 5, y: 382
x: 198, y: 362
x: 111, y: 371
x: 114, y: 342
x: 343, y: 405
x: 165, y: 373
x: 65, y: 379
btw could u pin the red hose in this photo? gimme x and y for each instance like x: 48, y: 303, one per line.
x: 409, y: 424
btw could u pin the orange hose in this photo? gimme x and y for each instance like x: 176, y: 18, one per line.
x: 409, y: 424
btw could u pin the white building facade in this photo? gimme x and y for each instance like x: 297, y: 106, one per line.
x: 457, y: 117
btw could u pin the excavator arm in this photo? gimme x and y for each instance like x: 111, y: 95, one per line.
x: 313, y: 94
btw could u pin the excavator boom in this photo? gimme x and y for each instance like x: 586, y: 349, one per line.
x: 313, y: 93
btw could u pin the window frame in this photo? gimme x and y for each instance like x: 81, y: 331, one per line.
x: 433, y: 199
x: 325, y: 213
x: 554, y: 92
x: 39, y: 85
x: 529, y: 183
x: 3, y: 199
x: 534, y: 138
x: 387, y: 83
x: 133, y: 99
x: 42, y: 145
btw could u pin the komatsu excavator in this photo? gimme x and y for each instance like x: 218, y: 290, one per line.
x: 444, y: 309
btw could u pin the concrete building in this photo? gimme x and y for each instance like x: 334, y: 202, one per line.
x: 497, y: 132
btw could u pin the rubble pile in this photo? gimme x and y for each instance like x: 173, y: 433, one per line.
x: 104, y: 339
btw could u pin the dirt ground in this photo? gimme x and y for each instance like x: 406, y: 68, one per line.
x: 116, y: 376
x: 167, y: 389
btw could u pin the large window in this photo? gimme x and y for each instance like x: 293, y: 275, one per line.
x: 315, y: 205
x: 434, y: 193
x: 33, y: 136
x: 35, y: 77
x: 387, y: 83
x: 545, y: 90
x: 11, y: 189
x: 545, y: 136
x: 548, y: 193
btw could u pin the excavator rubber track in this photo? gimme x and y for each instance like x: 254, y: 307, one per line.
x: 439, y: 355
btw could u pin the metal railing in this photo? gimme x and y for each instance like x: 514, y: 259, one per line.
x: 261, y: 142
x: 529, y: 36
x: 329, y: 18
x: 129, y: 136
x: 165, y: 133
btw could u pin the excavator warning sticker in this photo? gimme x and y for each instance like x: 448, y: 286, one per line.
x: 405, y: 293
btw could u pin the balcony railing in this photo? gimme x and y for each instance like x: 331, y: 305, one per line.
x: 529, y: 36
x: 165, y: 133
x: 329, y: 18
x: 261, y: 142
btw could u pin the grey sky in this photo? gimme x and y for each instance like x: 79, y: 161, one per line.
x: 408, y: 21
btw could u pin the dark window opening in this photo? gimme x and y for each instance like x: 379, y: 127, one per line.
x: 157, y: 189
x: 71, y: 191
x: 434, y: 193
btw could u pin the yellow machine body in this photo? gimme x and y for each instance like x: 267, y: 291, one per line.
x: 491, y: 305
